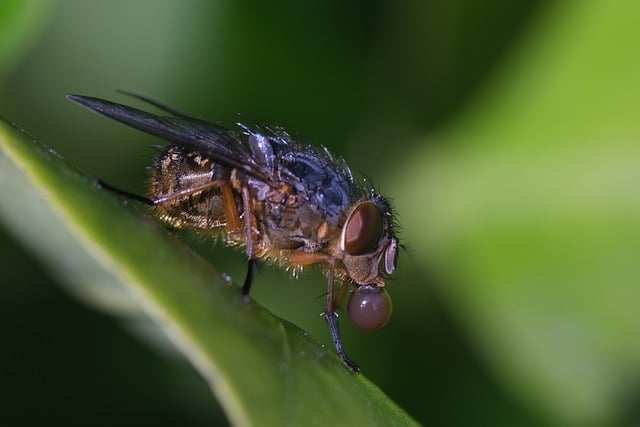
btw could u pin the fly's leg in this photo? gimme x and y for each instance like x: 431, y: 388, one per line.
x: 168, y: 198
x: 252, y: 263
x: 338, y: 299
x: 101, y: 184
x: 230, y: 210
x: 252, y: 270
x: 332, y: 320
x: 233, y: 223
x: 307, y: 258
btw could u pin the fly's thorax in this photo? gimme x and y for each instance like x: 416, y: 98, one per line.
x: 319, y: 180
x: 291, y: 222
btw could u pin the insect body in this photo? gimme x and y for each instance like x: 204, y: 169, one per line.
x: 284, y: 202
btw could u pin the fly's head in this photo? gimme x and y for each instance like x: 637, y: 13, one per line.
x: 368, y: 248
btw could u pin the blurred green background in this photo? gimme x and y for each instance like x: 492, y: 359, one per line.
x: 506, y: 132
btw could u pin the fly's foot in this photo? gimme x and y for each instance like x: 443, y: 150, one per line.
x: 332, y: 321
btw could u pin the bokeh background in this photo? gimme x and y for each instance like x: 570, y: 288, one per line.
x: 506, y: 132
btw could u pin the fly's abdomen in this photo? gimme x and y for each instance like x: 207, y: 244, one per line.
x: 186, y: 188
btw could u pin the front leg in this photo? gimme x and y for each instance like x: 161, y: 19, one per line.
x: 308, y: 258
x: 332, y: 320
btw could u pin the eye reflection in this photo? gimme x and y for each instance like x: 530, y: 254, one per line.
x: 363, y: 230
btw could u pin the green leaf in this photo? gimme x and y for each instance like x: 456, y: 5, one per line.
x: 528, y: 209
x: 20, y: 21
x: 263, y: 370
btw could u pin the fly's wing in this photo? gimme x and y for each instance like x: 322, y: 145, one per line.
x: 222, y: 145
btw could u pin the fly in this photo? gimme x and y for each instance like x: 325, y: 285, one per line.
x: 283, y: 202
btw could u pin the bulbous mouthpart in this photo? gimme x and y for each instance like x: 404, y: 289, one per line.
x: 369, y: 307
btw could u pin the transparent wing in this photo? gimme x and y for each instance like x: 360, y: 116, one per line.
x: 225, y: 146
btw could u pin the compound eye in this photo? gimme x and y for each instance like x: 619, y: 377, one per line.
x: 369, y: 308
x: 363, y: 230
